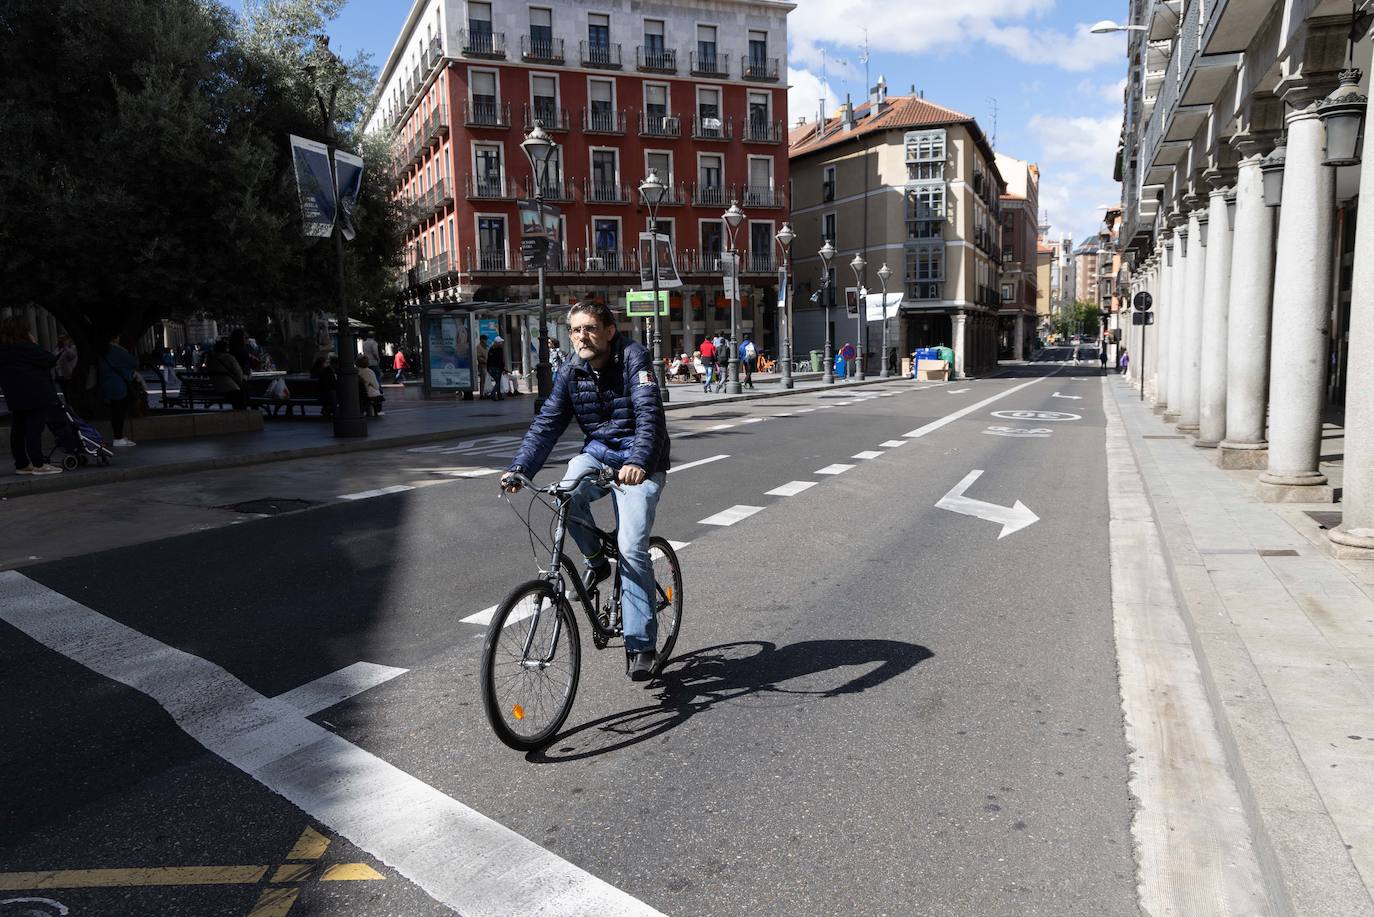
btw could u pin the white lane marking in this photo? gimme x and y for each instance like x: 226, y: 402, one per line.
x: 705, y: 461
x: 957, y: 391
x: 866, y: 454
x: 819, y: 406
x: 950, y: 418
x: 754, y: 420
x: 1011, y: 518
x: 834, y: 469
x: 1022, y: 432
x: 893, y: 443
x: 732, y: 515
x: 470, y: 473
x: 482, y: 617
x: 1068, y: 397
x: 805, y: 410
x: 784, y: 414
x: 337, y: 687
x: 791, y: 488
x: 722, y: 426
x: 677, y: 545
x: 379, y: 492
x: 459, y: 856
x: 839, y: 404
x: 887, y: 394
x: 683, y: 435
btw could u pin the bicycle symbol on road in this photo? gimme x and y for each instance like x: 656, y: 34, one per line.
x: 1036, y: 415
x: 1021, y: 432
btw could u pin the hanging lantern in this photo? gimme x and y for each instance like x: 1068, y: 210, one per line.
x: 1271, y: 168
x: 1342, y: 113
x: 1231, y: 210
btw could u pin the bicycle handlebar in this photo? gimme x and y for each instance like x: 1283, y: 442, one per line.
x: 604, y: 477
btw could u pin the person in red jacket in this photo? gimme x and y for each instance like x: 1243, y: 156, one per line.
x: 708, y: 360
x: 399, y: 364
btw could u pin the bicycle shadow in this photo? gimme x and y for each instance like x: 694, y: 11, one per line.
x: 731, y: 672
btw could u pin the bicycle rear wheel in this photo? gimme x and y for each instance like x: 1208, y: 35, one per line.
x: 668, y: 598
x: 531, y: 660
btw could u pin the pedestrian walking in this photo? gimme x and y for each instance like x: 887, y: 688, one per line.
x: 26, y: 381
x: 482, y: 352
x: 848, y: 352
x: 748, y: 357
x: 496, y: 366
x: 556, y: 355
x: 169, y: 365
x: 369, y: 387
x: 117, y: 368
x: 708, y: 362
x: 399, y: 364
x: 722, y: 361
x: 1123, y: 361
x: 1102, y: 354
x: 373, y: 353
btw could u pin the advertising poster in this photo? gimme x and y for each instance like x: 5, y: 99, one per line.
x: 450, y: 353
x: 349, y: 171
x: 315, y: 185
x: 491, y: 328
x: 874, y: 305
x: 668, y: 278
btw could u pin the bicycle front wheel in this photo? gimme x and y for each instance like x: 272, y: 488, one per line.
x: 530, y: 664
x: 667, y: 598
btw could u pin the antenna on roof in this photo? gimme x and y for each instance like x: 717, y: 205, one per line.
x: 994, y: 121
x: 864, y: 58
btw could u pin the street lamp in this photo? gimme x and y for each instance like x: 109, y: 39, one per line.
x: 1271, y: 169
x: 884, y: 274
x: 1343, y: 114
x: 860, y: 294
x: 784, y: 238
x: 1106, y: 27
x: 733, y: 217
x: 652, y: 191
x: 540, y: 150
x: 827, y: 254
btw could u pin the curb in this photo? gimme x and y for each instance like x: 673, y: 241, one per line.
x: 95, y: 477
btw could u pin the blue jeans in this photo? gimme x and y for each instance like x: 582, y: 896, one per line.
x: 634, y: 512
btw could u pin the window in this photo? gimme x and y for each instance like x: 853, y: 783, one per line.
x: 541, y: 29
x: 828, y: 185
x: 601, y: 105
x: 706, y: 47
x: 925, y: 201
x: 708, y: 112
x: 828, y: 227
x: 712, y: 238
x: 605, y: 174
x: 488, y: 170
x: 544, y: 98
x: 925, y: 155
x: 653, y: 42
x: 925, y: 272
x: 760, y: 189
x: 665, y: 228
x: 479, y: 19
x: 606, y: 234
x: 1008, y: 254
x: 491, y: 242
x: 1006, y: 292
x: 483, y: 86
x: 710, y: 173
x: 761, y: 246
x: 655, y: 102
x: 758, y: 49
x: 661, y: 163
x: 599, y: 31
x: 758, y: 110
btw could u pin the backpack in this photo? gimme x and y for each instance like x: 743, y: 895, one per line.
x: 749, y: 351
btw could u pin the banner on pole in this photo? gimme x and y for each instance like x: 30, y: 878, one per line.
x: 314, y: 185
x: 668, y: 278
x: 348, y: 170
x: 873, y: 305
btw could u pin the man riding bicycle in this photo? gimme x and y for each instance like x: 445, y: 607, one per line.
x: 611, y: 389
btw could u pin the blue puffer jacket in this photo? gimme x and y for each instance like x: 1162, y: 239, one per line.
x: 618, y: 409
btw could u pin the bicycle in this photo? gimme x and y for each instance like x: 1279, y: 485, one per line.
x: 532, y: 655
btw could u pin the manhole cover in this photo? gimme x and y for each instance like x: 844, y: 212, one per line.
x: 269, y: 506
x: 1325, y: 518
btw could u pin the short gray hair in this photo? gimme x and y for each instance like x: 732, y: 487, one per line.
x: 598, y: 310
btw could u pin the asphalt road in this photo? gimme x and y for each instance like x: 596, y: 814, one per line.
x: 878, y: 706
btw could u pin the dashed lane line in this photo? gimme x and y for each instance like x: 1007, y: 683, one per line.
x: 456, y: 854
x: 866, y: 454
x: 732, y: 515
x: 805, y: 410
x: 893, y: 443
x: 722, y: 426
x: 834, y: 469
x: 962, y: 412
x: 379, y: 492
x: 791, y: 488
x: 705, y: 461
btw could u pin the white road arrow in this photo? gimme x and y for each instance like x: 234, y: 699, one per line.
x: 1070, y: 397
x: 1012, y: 519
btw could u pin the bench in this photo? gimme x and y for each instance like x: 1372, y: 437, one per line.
x: 305, y: 393
x: 196, y: 388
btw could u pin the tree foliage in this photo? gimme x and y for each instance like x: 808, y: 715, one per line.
x: 144, y: 165
x: 1078, y: 317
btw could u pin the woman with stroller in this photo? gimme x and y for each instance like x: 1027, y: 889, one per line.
x: 26, y: 380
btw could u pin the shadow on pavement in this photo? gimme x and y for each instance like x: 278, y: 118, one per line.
x: 749, y: 672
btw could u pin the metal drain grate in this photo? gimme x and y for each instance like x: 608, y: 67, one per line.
x: 1162, y: 436
x: 1325, y: 518
x: 269, y: 506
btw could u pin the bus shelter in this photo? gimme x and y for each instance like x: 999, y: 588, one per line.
x: 449, y: 334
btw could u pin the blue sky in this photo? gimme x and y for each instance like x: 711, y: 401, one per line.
x: 1058, y: 88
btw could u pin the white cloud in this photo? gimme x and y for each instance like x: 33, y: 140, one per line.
x: 903, y: 25
x: 1080, y: 51
x: 804, y: 93
x: 1077, y: 156
x: 1107, y: 92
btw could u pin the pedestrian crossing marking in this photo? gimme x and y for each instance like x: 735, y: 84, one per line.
x: 790, y: 489
x: 732, y: 515
x: 834, y: 469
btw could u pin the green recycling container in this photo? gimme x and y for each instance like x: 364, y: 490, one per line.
x: 817, y: 360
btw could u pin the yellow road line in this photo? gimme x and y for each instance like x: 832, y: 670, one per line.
x: 351, y: 872
x: 115, y: 878
x: 311, y: 846
x: 274, y: 902
x: 292, y: 872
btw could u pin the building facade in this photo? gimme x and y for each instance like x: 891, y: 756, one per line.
x: 914, y: 185
x: 693, y: 90
x: 1019, y: 286
x: 1241, y: 220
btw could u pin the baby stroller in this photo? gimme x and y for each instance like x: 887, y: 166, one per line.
x: 78, y: 439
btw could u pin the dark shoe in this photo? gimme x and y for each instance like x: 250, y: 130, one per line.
x: 640, y: 666
x: 591, y: 576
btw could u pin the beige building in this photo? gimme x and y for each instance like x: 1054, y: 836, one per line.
x: 1019, y: 287
x: 1044, y: 272
x: 913, y: 185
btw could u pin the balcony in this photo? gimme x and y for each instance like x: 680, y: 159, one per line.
x: 551, y: 116
x: 486, y: 114
x: 656, y: 125
x: 700, y: 262
x: 541, y: 50
x: 603, y: 122
x: 602, y: 56
x: 492, y: 261
x: 433, y: 268
x: 762, y: 69
x: 609, y: 261
x: 436, y: 126
x: 656, y: 60
x: 488, y: 188
x: 757, y: 130
x: 712, y: 65
x: 758, y: 263
x: 483, y: 43
x: 712, y: 195
x: 553, y: 190
x: 605, y: 192
x: 925, y: 289
x: 763, y: 197
x: 712, y: 128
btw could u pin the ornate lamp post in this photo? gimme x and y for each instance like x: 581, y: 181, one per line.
x: 652, y: 191
x: 1343, y: 114
x: 860, y: 294
x: 540, y: 149
x: 884, y: 274
x: 733, y: 217
x: 1271, y: 170
x: 827, y: 254
x: 785, y: 237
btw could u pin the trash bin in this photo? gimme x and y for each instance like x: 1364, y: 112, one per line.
x: 817, y: 361
x: 945, y: 354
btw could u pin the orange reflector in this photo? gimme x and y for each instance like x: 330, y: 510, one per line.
x: 669, y: 590
x: 518, y: 712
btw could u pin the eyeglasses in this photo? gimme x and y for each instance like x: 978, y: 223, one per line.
x: 585, y: 331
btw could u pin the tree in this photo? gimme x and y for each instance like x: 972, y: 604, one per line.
x: 144, y: 166
x: 1079, y: 317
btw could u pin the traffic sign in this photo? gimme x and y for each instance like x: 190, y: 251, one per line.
x: 1143, y: 301
x: 1142, y: 318
x: 640, y: 303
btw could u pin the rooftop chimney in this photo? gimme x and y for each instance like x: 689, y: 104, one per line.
x: 847, y: 114
x: 877, y: 96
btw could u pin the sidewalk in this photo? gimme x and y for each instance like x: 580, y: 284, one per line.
x: 405, y: 423
x: 1284, y: 636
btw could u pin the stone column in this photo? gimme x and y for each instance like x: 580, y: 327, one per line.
x: 1155, y: 350
x: 1215, y: 311
x: 957, y: 345
x: 1191, y: 332
x: 1173, y: 337
x: 1302, y: 283
x: 1018, y: 343
x: 1252, y: 288
x: 1354, y: 538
